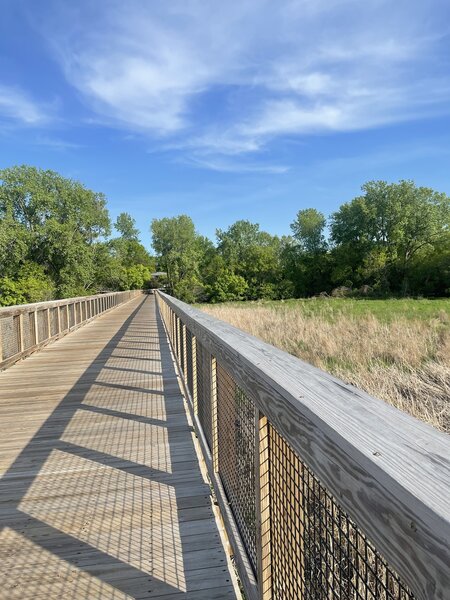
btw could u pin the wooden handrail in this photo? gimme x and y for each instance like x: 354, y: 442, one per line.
x: 25, y: 328
x: 362, y: 460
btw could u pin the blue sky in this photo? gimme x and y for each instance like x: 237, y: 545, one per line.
x: 227, y: 110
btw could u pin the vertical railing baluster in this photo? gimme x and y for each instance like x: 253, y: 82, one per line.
x: 194, y: 375
x: 21, y: 342
x: 183, y: 353
x: 214, y: 419
x: 263, y: 508
x: 36, y: 331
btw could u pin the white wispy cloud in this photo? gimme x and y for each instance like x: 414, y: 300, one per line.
x: 55, y: 143
x: 216, y: 78
x: 17, y: 106
x: 235, y: 166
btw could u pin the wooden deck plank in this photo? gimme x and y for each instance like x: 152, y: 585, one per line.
x: 101, y: 494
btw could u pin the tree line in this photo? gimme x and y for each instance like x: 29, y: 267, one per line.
x: 393, y: 239
x: 55, y: 240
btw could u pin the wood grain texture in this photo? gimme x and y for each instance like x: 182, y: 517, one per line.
x: 247, y: 577
x: 390, y: 471
x: 113, y: 300
x: 101, y: 493
x: 6, y: 311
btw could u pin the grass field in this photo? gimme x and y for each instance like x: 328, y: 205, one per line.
x: 397, y: 350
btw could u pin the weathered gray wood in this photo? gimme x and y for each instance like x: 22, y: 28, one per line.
x: 390, y: 471
x: 244, y: 568
x: 101, y: 492
x: 21, y: 344
x: 7, y: 311
x: 44, y: 308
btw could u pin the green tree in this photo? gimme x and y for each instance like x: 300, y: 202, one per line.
x: 307, y: 230
x: 177, y: 247
x: 56, y: 222
x: 255, y: 256
x: 31, y: 284
x: 306, y: 256
x: 126, y: 226
x: 136, y: 277
x: 389, y: 225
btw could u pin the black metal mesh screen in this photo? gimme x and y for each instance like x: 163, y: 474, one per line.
x: 236, y: 455
x: 63, y: 317
x: 28, y: 330
x: 53, y: 321
x: 316, y: 551
x: 204, y: 392
x: 175, y: 339
x: 71, y: 315
x: 189, y: 363
x: 10, y: 336
x: 182, y: 348
x: 42, y: 323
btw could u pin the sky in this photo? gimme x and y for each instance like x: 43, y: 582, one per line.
x: 253, y: 109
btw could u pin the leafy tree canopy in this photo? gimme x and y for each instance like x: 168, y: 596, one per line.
x: 126, y: 226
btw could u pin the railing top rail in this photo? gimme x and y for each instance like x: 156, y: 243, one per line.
x: 6, y: 311
x: 390, y: 471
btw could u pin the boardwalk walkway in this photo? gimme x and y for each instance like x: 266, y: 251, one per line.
x: 101, y: 494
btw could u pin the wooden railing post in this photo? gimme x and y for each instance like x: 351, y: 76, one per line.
x: 49, y: 326
x: 36, y: 330
x: 183, y: 353
x: 41, y: 316
x: 263, y: 508
x: 178, y: 336
x: 21, y: 342
x: 194, y: 375
x: 215, y: 431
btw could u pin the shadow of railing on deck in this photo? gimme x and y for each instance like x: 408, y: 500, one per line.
x: 107, y: 499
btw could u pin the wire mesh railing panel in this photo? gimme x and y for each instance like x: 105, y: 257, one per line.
x: 28, y: 330
x: 10, y: 336
x: 71, y: 315
x: 182, y: 349
x: 53, y: 321
x: 24, y: 327
x: 316, y: 551
x: 63, y: 318
x: 42, y: 323
x: 189, y: 363
x: 177, y: 337
x: 204, y: 408
x: 236, y: 431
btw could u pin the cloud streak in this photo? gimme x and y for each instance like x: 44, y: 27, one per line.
x: 17, y: 107
x: 216, y: 79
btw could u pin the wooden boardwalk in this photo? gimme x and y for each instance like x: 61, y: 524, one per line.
x: 101, y: 494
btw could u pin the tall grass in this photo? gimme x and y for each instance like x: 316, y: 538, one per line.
x: 400, y: 355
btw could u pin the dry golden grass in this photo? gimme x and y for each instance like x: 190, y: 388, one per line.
x: 405, y: 362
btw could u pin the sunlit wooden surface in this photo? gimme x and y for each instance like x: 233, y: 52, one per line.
x: 101, y: 494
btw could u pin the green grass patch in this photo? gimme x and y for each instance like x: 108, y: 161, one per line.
x: 383, y: 310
